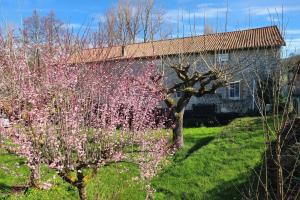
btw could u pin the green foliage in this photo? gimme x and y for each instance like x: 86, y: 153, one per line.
x: 214, y: 164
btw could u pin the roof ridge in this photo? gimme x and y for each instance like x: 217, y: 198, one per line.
x: 265, y: 37
x: 187, y: 37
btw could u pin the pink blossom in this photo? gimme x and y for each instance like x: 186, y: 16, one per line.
x: 76, y: 116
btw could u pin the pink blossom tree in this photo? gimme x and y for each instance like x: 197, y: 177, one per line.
x: 77, y: 117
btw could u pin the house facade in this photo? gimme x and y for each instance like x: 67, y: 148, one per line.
x: 239, y: 95
x: 296, y: 94
x: 246, y: 53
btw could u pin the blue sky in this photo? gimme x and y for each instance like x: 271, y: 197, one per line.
x: 78, y: 13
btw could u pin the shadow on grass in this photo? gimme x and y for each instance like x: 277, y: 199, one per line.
x: 12, y: 189
x: 234, y: 189
x: 229, y: 190
x: 199, y: 144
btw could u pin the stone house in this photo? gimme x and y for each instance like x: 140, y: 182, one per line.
x: 296, y: 94
x: 292, y: 63
x: 249, y: 52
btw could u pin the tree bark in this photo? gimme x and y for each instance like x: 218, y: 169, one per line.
x: 81, y: 186
x: 82, y: 193
x: 35, y: 176
x: 79, y: 183
x: 178, y: 129
x: 279, y: 173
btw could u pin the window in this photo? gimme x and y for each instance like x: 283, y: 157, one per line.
x: 296, y: 106
x: 223, y: 57
x: 234, y: 90
x: 221, y: 92
x: 179, y: 94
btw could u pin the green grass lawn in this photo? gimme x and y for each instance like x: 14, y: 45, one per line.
x: 215, y: 163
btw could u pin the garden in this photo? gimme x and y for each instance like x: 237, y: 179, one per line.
x: 216, y: 163
x: 97, y: 114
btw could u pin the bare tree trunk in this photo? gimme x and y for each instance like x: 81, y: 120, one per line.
x: 279, y: 173
x: 178, y: 129
x: 79, y: 183
x: 82, y: 193
x: 35, y: 176
x: 279, y: 183
x: 81, y: 186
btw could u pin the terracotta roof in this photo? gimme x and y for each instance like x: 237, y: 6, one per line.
x: 94, y: 55
x: 245, y: 39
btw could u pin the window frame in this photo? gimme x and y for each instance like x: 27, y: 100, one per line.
x: 221, y: 57
x: 229, y: 90
x: 179, y: 94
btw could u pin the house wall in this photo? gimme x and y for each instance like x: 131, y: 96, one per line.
x: 244, y: 64
x: 296, y: 104
x: 297, y: 85
x: 296, y: 95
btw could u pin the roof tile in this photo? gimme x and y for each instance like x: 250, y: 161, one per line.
x: 244, y: 39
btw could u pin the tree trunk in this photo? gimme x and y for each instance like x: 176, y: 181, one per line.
x: 279, y: 173
x: 82, y: 192
x: 81, y: 186
x: 280, y: 194
x: 178, y: 129
x: 35, y: 176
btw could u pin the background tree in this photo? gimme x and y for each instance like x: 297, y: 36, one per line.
x: 131, y: 20
x: 42, y: 31
x: 277, y: 177
x: 38, y: 29
x: 151, y: 20
x: 197, y: 76
x: 272, y: 89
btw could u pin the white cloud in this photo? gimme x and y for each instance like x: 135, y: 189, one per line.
x: 205, y: 5
x: 265, y: 10
x: 213, y: 12
x: 274, y: 18
x: 292, y: 46
x: 203, y: 10
x: 293, y: 42
x: 293, y: 31
x: 272, y: 10
x: 72, y: 26
x: 99, y: 17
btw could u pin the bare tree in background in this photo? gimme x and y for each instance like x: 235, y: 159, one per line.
x: 278, y: 177
x: 41, y: 33
x: 121, y: 24
x: 197, y: 76
x: 131, y: 20
x: 151, y: 20
x: 273, y: 88
x: 208, y: 29
x: 33, y: 29
x: 42, y: 30
x: 53, y: 29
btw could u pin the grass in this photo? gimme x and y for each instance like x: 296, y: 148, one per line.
x: 214, y: 164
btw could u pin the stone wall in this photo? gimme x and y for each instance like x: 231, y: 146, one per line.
x: 246, y: 64
x: 297, y: 85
